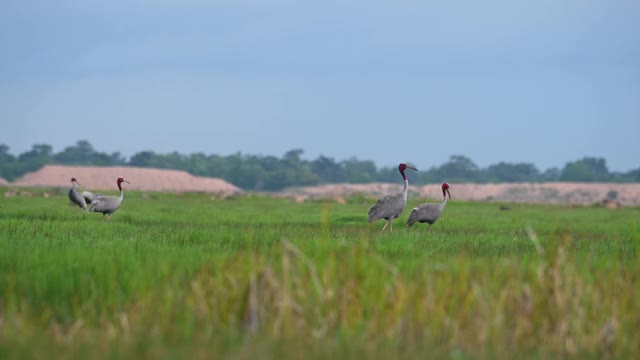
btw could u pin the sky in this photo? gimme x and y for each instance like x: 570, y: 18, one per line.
x: 542, y: 82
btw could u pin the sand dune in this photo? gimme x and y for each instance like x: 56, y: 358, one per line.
x: 555, y: 193
x: 162, y: 180
x: 143, y: 179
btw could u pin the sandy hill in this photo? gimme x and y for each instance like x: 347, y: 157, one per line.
x: 144, y: 179
x: 334, y: 190
x: 4, y: 183
x: 555, y: 193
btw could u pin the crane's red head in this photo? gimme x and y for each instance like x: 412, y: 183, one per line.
x: 445, y: 190
x: 120, y: 181
x: 73, y: 180
x: 404, y: 166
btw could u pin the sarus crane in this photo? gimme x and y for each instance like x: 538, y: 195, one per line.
x: 75, y: 196
x: 390, y: 207
x: 107, y: 205
x: 430, y: 212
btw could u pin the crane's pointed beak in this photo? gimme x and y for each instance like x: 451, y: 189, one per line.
x: 126, y: 181
x: 412, y: 168
x: 448, y: 193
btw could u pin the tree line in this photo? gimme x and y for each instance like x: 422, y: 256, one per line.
x: 271, y: 173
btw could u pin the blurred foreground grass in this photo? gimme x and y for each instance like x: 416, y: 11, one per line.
x: 246, y: 277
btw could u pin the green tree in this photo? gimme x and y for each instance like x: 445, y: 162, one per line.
x: 358, y: 171
x: 271, y: 173
x: 588, y: 169
x: 7, y: 163
x: 296, y: 171
x: 34, y: 159
x: 508, y: 172
x: 551, y: 174
x: 80, y: 154
x: 143, y: 159
x: 83, y: 153
x: 458, y: 169
x: 328, y: 170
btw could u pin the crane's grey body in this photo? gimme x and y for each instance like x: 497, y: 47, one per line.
x: 89, y: 196
x: 426, y: 213
x: 107, y: 205
x: 76, y: 198
x: 390, y: 207
x: 429, y: 212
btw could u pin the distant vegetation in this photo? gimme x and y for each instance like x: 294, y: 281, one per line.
x: 270, y: 173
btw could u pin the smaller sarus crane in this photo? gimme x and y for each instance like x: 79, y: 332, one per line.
x: 429, y: 213
x: 75, y: 196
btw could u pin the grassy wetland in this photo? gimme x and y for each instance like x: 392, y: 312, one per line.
x: 189, y: 276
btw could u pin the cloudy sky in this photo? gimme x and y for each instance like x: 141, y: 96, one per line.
x: 542, y: 81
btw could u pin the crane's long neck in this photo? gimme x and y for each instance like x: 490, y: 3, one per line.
x: 444, y: 201
x: 121, y: 192
x: 405, y: 189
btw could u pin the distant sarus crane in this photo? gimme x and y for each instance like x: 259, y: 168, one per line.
x: 107, y: 205
x: 390, y: 207
x: 75, y: 196
x: 430, y: 212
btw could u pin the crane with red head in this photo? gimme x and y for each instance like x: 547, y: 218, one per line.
x: 75, y: 196
x: 390, y: 207
x: 429, y: 212
x: 107, y: 205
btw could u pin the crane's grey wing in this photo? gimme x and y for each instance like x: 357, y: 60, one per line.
x: 428, y: 213
x: 88, y: 196
x: 105, y: 204
x: 77, y: 198
x: 387, y: 207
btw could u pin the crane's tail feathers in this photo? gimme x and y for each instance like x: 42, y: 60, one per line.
x: 372, y: 215
x: 375, y: 213
x: 412, y: 218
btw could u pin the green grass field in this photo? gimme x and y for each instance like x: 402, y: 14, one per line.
x: 255, y: 277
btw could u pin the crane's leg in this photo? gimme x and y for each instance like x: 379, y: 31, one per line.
x: 385, y: 225
x: 102, y: 217
x: 429, y: 227
x: 391, y: 222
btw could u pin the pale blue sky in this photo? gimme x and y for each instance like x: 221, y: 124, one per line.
x: 541, y: 81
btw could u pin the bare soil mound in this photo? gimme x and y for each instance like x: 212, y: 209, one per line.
x: 339, y: 190
x: 143, y: 179
x: 554, y: 193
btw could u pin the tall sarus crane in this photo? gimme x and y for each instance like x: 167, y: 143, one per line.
x: 75, y: 196
x: 390, y: 207
x: 429, y: 213
x: 107, y: 205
